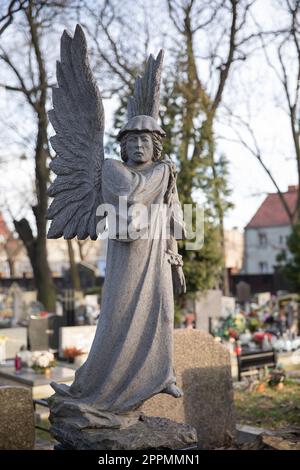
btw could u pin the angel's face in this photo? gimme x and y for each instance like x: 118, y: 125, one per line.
x: 139, y: 147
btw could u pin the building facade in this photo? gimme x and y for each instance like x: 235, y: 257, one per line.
x: 267, y: 233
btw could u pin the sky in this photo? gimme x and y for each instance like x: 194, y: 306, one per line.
x: 254, y: 89
x: 256, y: 94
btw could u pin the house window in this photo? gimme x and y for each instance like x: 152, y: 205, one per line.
x: 263, y: 267
x: 281, y: 240
x: 262, y: 239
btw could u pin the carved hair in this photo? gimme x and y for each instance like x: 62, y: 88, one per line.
x: 157, y: 147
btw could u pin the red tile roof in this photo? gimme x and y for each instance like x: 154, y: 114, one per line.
x: 271, y: 213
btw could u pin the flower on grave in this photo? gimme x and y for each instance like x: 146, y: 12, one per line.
x: 42, y: 360
x: 72, y: 352
x: 3, y: 339
x: 259, y: 337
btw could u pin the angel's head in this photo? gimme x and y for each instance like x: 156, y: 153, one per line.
x: 141, y: 140
x: 141, y: 147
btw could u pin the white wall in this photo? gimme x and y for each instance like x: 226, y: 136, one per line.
x: 257, y: 252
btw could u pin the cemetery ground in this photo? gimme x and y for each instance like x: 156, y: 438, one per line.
x: 269, y: 407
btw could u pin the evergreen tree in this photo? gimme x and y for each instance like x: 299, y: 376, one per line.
x: 189, y: 110
x: 291, y: 261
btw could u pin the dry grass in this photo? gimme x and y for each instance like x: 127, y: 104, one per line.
x: 271, y: 408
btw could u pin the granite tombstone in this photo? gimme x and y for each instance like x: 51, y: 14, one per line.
x: 204, y: 372
x: 17, y: 431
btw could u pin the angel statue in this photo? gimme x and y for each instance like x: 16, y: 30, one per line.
x: 131, y: 356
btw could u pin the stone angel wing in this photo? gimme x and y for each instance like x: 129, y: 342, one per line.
x: 78, y: 120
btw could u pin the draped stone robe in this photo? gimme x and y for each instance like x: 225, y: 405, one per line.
x: 131, y: 356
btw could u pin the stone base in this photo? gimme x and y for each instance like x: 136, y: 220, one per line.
x: 147, y: 433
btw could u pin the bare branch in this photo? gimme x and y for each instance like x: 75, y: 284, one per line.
x: 210, y: 19
x: 256, y: 152
x: 226, y: 67
x: 13, y: 8
x: 17, y: 73
x: 103, y: 21
x: 174, y: 16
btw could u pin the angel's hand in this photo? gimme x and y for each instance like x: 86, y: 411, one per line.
x: 179, y: 283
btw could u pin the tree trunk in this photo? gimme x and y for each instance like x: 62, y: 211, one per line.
x: 80, y: 244
x: 73, y: 267
x: 36, y: 246
x: 225, y: 280
x: 45, y: 286
x: 37, y: 253
x: 217, y: 201
x: 36, y: 96
x: 12, y: 267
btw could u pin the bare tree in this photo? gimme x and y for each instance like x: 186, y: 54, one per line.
x: 225, y: 22
x: 7, y: 12
x: 31, y: 82
x: 288, y: 74
x: 281, y: 48
x: 215, y: 32
x: 74, y: 274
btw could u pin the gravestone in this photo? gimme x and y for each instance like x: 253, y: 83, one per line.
x: 18, y: 308
x: 80, y: 337
x: 15, y: 339
x: 29, y: 299
x: 17, y: 430
x: 68, y: 305
x: 243, y: 291
x: 210, y: 307
x: 203, y: 371
x: 43, y: 332
x: 38, y: 384
x: 207, y: 307
x: 227, y: 306
x: 37, y: 332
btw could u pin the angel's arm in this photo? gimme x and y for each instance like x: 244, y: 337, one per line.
x: 175, y: 259
x: 177, y: 232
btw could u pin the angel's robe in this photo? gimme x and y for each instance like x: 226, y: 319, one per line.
x: 131, y: 356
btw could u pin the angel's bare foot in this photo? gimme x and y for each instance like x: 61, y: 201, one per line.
x: 173, y: 390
